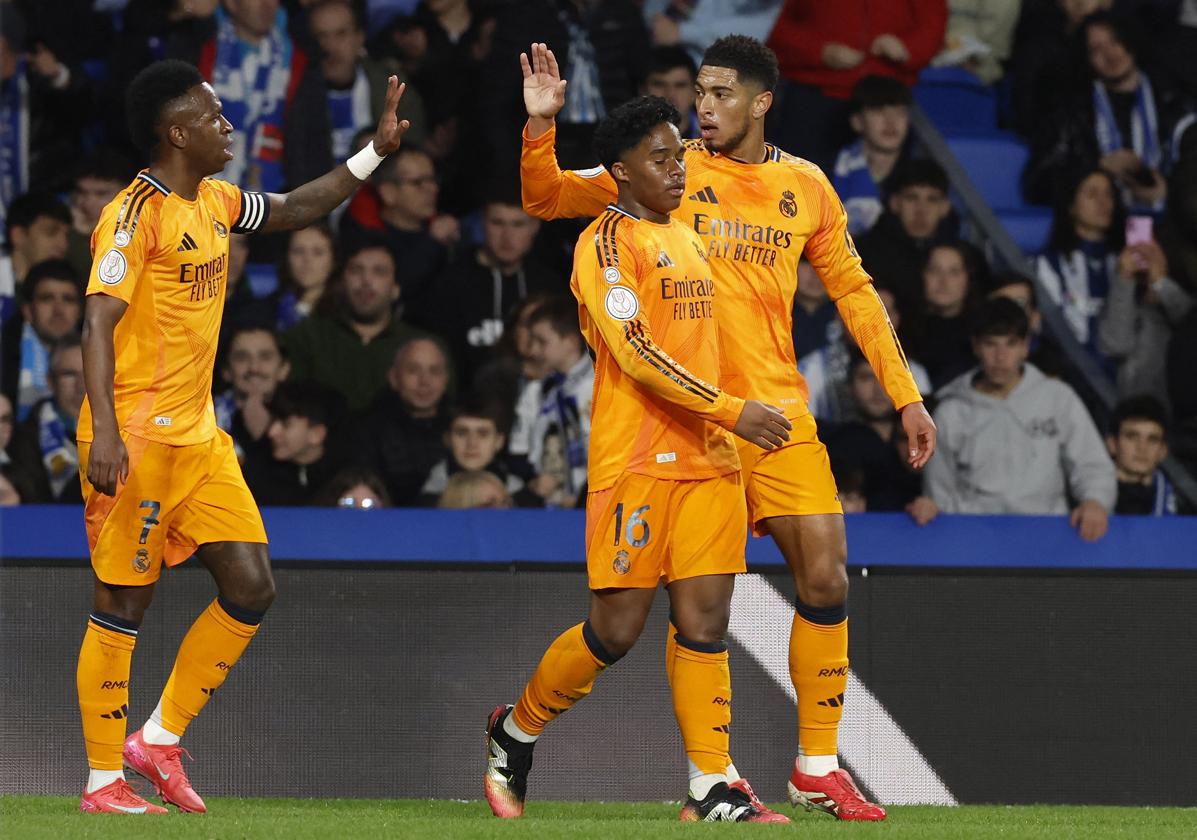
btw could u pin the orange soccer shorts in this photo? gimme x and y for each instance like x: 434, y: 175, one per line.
x: 794, y: 480
x: 643, y: 529
x: 177, y: 498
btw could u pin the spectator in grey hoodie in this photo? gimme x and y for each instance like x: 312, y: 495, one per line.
x: 1014, y: 441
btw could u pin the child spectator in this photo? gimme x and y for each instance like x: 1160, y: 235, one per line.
x: 355, y: 487
x: 953, y: 277
x: 1138, y: 443
x: 880, y: 117
x: 254, y: 366
x: 475, y: 441
x: 304, y: 451
x: 305, y: 275
x: 474, y: 489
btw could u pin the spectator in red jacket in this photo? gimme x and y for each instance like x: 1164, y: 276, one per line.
x: 824, y: 49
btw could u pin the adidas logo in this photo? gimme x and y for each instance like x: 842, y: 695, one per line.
x: 188, y: 244
x: 706, y: 195
x: 833, y: 702
x: 722, y: 728
x: 208, y: 691
x: 663, y: 260
x: 118, y: 714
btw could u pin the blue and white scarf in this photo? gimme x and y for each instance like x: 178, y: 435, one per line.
x: 349, y: 113
x: 857, y: 189
x: 583, y: 96
x: 1164, y: 503
x: 251, y: 81
x: 14, y: 138
x: 56, y: 444
x: 1145, y: 128
x: 33, y: 382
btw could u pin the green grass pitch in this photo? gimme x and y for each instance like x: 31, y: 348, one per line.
x: 29, y: 817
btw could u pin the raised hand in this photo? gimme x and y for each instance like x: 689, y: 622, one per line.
x: 763, y: 425
x: 390, y: 128
x: 544, y: 89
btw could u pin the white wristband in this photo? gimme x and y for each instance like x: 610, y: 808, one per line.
x: 364, y: 162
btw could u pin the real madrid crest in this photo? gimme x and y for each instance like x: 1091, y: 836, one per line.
x: 221, y: 230
x: 788, y: 205
x: 622, y: 563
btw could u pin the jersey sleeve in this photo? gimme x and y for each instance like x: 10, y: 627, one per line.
x: 833, y: 255
x: 121, y: 244
x: 614, y: 309
x: 248, y: 210
x: 550, y: 193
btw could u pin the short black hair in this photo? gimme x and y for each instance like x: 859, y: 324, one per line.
x: 1142, y: 407
x: 68, y: 342
x: 368, y: 242
x: 1013, y: 278
x: 752, y: 60
x: 28, y: 207
x: 46, y: 270
x: 628, y: 124
x: 1000, y: 317
x: 316, y: 403
x: 1125, y: 28
x: 665, y: 58
x: 255, y: 327
x: 918, y: 172
x: 481, y: 407
x: 388, y: 170
x: 149, y: 93
x: 878, y: 92
x: 561, y: 313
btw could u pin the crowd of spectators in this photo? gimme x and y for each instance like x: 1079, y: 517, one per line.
x: 421, y: 347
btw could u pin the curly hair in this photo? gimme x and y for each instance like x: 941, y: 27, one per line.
x: 149, y: 93
x: 627, y: 125
x: 752, y: 60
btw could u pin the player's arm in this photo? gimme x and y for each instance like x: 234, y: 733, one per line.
x: 833, y: 255
x: 548, y: 192
x: 316, y: 199
x: 615, y: 311
x: 108, y: 462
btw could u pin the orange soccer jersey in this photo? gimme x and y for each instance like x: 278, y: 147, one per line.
x: 646, y: 307
x: 755, y: 222
x: 168, y: 258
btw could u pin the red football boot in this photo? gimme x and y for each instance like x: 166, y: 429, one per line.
x: 117, y: 798
x: 161, y: 766
x: 834, y: 794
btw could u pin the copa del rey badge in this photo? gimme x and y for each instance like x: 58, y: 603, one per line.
x: 622, y: 303
x: 112, y: 268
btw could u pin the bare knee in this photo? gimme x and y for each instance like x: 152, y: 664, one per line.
x: 617, y: 635
x: 825, y: 586
x: 706, y: 626
x: 243, y: 575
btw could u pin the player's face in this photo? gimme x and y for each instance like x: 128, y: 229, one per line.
x: 88, y: 200
x: 370, y: 285
x: 206, y: 132
x: 1001, y: 358
x: 945, y: 281
x: 920, y: 208
x: 54, y: 310
x: 1139, y: 447
x: 310, y: 259
x: 655, y: 171
x: 66, y: 379
x: 255, y: 365
x: 726, y: 107
x: 420, y: 376
x: 474, y: 442
x: 884, y: 128
x: 508, y: 233
x: 869, y: 396
x: 1093, y: 204
x: 44, y: 239
x: 677, y: 87
x: 293, y: 438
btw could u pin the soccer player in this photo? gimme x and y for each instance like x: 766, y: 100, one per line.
x: 757, y: 210
x: 665, y: 500
x: 160, y: 480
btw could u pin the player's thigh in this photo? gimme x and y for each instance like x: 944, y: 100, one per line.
x: 705, y: 525
x: 127, y: 533
x: 221, y: 510
x: 814, y: 546
x: 623, y: 548
x: 700, y: 607
x: 617, y: 616
x: 794, y: 480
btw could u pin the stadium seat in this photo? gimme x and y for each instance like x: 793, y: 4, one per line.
x: 994, y: 162
x: 262, y: 277
x: 1028, y: 227
x: 956, y: 101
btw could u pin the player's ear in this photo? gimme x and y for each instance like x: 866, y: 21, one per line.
x: 761, y: 103
x: 620, y: 172
x: 176, y: 135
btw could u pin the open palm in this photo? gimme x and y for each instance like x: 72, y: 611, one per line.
x: 544, y: 89
x: 390, y: 128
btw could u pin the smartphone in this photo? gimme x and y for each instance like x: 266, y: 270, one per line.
x: 1138, y: 230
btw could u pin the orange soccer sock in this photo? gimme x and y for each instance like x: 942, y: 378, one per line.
x: 670, y: 650
x: 819, y: 669
x: 102, y: 679
x: 702, y: 702
x: 210, y: 649
x: 565, y: 675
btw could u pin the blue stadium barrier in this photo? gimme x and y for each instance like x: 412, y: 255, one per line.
x: 1029, y: 227
x: 54, y: 532
x: 956, y: 101
x: 994, y: 163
